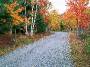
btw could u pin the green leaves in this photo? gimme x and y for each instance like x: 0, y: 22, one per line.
x: 20, y: 1
x: 40, y: 24
x: 30, y: 0
x: 16, y: 8
x: 10, y: 1
x: 1, y: 1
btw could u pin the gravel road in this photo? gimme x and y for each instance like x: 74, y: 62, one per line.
x: 50, y: 51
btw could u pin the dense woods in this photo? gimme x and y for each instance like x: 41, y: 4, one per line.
x: 25, y: 21
x: 27, y: 16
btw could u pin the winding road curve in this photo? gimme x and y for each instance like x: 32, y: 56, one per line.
x: 50, y: 51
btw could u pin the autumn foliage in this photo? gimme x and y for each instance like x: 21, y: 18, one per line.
x: 54, y: 20
x: 70, y: 21
x: 77, y: 7
x: 43, y: 9
x: 43, y: 3
x: 17, y: 19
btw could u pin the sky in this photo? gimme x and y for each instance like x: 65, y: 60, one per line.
x: 59, y: 5
x: 89, y: 3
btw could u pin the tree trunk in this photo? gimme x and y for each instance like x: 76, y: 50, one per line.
x: 35, y: 15
x: 26, y: 27
x: 31, y: 33
x: 10, y: 32
x: 14, y: 36
x: 10, y: 28
x: 77, y: 32
x: 33, y: 18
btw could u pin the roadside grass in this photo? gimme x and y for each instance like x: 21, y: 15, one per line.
x: 79, y: 51
x: 88, y: 44
x: 21, y: 41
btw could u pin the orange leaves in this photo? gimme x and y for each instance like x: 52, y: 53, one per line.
x: 17, y: 19
x: 15, y: 13
x: 68, y: 14
x: 84, y: 1
x: 70, y: 20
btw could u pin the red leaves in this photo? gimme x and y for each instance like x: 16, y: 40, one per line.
x: 46, y: 19
x: 42, y: 3
x: 42, y: 11
x: 77, y: 7
x: 83, y: 25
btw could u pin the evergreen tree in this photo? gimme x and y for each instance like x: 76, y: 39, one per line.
x: 40, y: 24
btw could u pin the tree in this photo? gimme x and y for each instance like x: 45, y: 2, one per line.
x: 4, y: 22
x: 87, y: 11
x: 22, y: 11
x: 77, y: 7
x: 14, y: 9
x: 70, y: 20
x: 26, y: 11
x: 36, y: 8
x: 40, y: 14
x: 40, y: 24
x: 54, y: 20
x: 4, y: 18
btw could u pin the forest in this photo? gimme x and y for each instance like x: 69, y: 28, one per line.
x: 25, y: 21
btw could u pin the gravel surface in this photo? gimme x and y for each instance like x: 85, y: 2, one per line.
x: 50, y: 51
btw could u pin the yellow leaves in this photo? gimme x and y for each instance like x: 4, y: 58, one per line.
x: 87, y: 11
x: 54, y: 20
x: 70, y: 20
x: 71, y: 23
x: 54, y: 25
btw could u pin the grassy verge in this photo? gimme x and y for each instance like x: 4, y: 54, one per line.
x: 22, y: 40
x: 79, y: 53
x: 88, y: 44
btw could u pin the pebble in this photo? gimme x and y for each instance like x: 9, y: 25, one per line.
x: 51, y: 51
